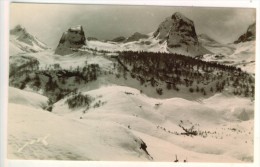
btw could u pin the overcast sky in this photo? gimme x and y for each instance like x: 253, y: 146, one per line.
x: 49, y: 21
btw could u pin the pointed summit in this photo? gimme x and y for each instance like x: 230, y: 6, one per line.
x: 178, y: 16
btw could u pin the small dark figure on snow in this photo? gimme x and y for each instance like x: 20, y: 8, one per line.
x: 176, y: 159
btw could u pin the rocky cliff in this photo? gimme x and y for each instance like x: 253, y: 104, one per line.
x: 249, y: 35
x: 71, y: 40
x: 180, y: 35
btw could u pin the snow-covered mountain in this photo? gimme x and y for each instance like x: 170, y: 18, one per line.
x: 74, y: 40
x: 214, y: 46
x: 249, y: 35
x: 241, y: 53
x: 23, y: 42
x: 176, y: 34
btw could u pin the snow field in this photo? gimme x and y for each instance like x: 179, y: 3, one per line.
x: 114, y: 130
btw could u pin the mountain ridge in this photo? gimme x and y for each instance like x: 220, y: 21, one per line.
x: 21, y: 41
x: 249, y: 35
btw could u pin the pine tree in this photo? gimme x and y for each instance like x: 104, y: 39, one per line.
x: 211, y: 89
x: 37, y: 81
x: 168, y: 85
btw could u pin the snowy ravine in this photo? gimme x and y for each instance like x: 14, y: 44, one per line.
x: 124, y: 120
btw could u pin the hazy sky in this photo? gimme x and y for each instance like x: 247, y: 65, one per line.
x: 49, y: 21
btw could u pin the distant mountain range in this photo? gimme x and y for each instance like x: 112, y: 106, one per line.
x: 176, y: 34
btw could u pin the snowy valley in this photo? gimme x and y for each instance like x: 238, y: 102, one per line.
x: 170, y: 95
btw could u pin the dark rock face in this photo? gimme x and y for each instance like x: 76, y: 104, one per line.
x: 22, y: 35
x: 249, y: 35
x: 71, y: 40
x: 118, y: 39
x: 180, y: 34
x: 17, y: 29
x: 177, y: 30
x: 137, y: 36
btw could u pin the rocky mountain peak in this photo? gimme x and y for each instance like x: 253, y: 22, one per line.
x: 250, y: 34
x: 18, y: 29
x: 180, y: 35
x: 178, y: 17
x: 72, y: 39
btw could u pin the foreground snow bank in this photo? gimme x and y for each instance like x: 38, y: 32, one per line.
x: 229, y: 137
x: 26, y: 98
x: 123, y: 124
x: 38, y: 134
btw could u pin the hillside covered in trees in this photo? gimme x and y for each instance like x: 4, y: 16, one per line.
x: 52, y: 81
x: 176, y: 72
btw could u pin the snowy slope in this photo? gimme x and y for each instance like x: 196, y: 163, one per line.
x: 149, y: 44
x: 214, y: 46
x: 27, y: 98
x: 115, y: 130
x: 78, y: 59
x: 21, y: 41
x: 127, y: 107
x: 121, y: 120
x: 243, y: 56
x: 241, y: 53
x: 33, y: 134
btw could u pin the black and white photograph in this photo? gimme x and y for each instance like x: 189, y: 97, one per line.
x: 93, y: 82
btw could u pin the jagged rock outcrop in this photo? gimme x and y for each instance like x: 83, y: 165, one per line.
x: 180, y: 35
x: 136, y: 36
x: 249, y: 35
x: 21, y: 41
x: 71, y: 40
